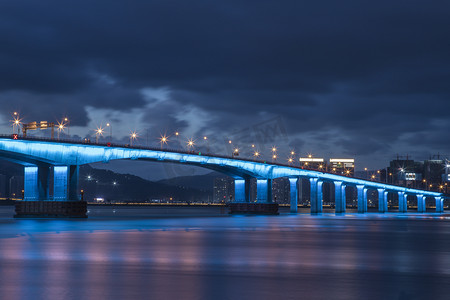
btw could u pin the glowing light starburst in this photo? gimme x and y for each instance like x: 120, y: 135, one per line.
x: 163, y: 140
x: 16, y: 121
x: 99, y: 131
x: 190, y: 143
x: 133, y: 136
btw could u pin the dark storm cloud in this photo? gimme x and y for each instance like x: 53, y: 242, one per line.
x: 367, y: 74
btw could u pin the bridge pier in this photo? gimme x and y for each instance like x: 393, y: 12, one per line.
x: 293, y: 188
x: 402, y: 202
x: 362, y: 198
x: 30, y: 186
x: 420, y: 203
x: 316, y: 195
x: 73, y: 183
x: 439, y: 204
x: 37, y: 201
x: 242, y: 190
x: 339, y: 197
x: 263, y: 205
x: 382, y: 200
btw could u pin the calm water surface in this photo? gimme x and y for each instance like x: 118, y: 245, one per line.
x: 199, y: 253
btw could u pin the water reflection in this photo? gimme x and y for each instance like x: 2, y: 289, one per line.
x: 128, y: 255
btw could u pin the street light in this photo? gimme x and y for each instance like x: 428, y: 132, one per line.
x: 205, y: 138
x: 163, y: 140
x: 110, y: 131
x: 67, y: 122
x: 98, y: 131
x: 16, y: 121
x: 60, y: 128
x: 256, y: 154
x: 133, y: 136
x: 190, y: 143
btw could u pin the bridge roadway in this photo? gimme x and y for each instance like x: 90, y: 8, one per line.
x: 39, y: 155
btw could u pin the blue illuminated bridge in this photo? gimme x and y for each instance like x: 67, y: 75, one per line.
x: 50, y: 163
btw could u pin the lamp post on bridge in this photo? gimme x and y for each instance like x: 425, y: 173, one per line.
x: 190, y: 143
x: 16, y: 121
x: 110, y: 131
x: 67, y: 123
x: 163, y: 140
x: 205, y: 138
x: 98, y: 132
x: 133, y: 136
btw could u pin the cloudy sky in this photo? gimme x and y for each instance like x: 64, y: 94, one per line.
x: 363, y: 79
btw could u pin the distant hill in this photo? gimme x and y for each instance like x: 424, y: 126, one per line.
x: 203, y: 183
x: 99, y: 183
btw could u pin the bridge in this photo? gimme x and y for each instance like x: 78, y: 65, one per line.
x: 56, y: 163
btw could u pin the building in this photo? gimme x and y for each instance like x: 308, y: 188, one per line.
x: 313, y: 163
x: 432, y: 174
x: 223, y: 189
x: 16, y: 187
x: 342, y: 166
x: 281, y: 190
x: 446, y: 175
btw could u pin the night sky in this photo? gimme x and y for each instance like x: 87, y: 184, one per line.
x: 363, y: 79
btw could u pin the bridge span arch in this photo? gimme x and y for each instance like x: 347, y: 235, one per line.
x: 65, y: 157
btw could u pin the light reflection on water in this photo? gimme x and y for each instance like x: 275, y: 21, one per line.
x: 205, y: 255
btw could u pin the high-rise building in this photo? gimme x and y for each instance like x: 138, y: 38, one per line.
x: 446, y: 175
x: 281, y: 190
x: 430, y: 174
x: 16, y: 187
x: 223, y: 189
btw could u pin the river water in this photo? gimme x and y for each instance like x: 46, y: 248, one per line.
x: 203, y: 253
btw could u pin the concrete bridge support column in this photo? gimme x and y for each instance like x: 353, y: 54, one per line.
x: 73, y: 183
x: 316, y: 195
x: 362, y: 198
x: 385, y: 203
x: 242, y: 190
x: 264, y: 190
x: 420, y: 203
x: 300, y: 190
x: 43, y: 182
x: 31, y: 190
x: 439, y: 204
x: 381, y: 199
x: 339, y: 197
x: 60, y: 180
x: 402, y: 202
x: 293, y: 183
x: 366, y: 201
